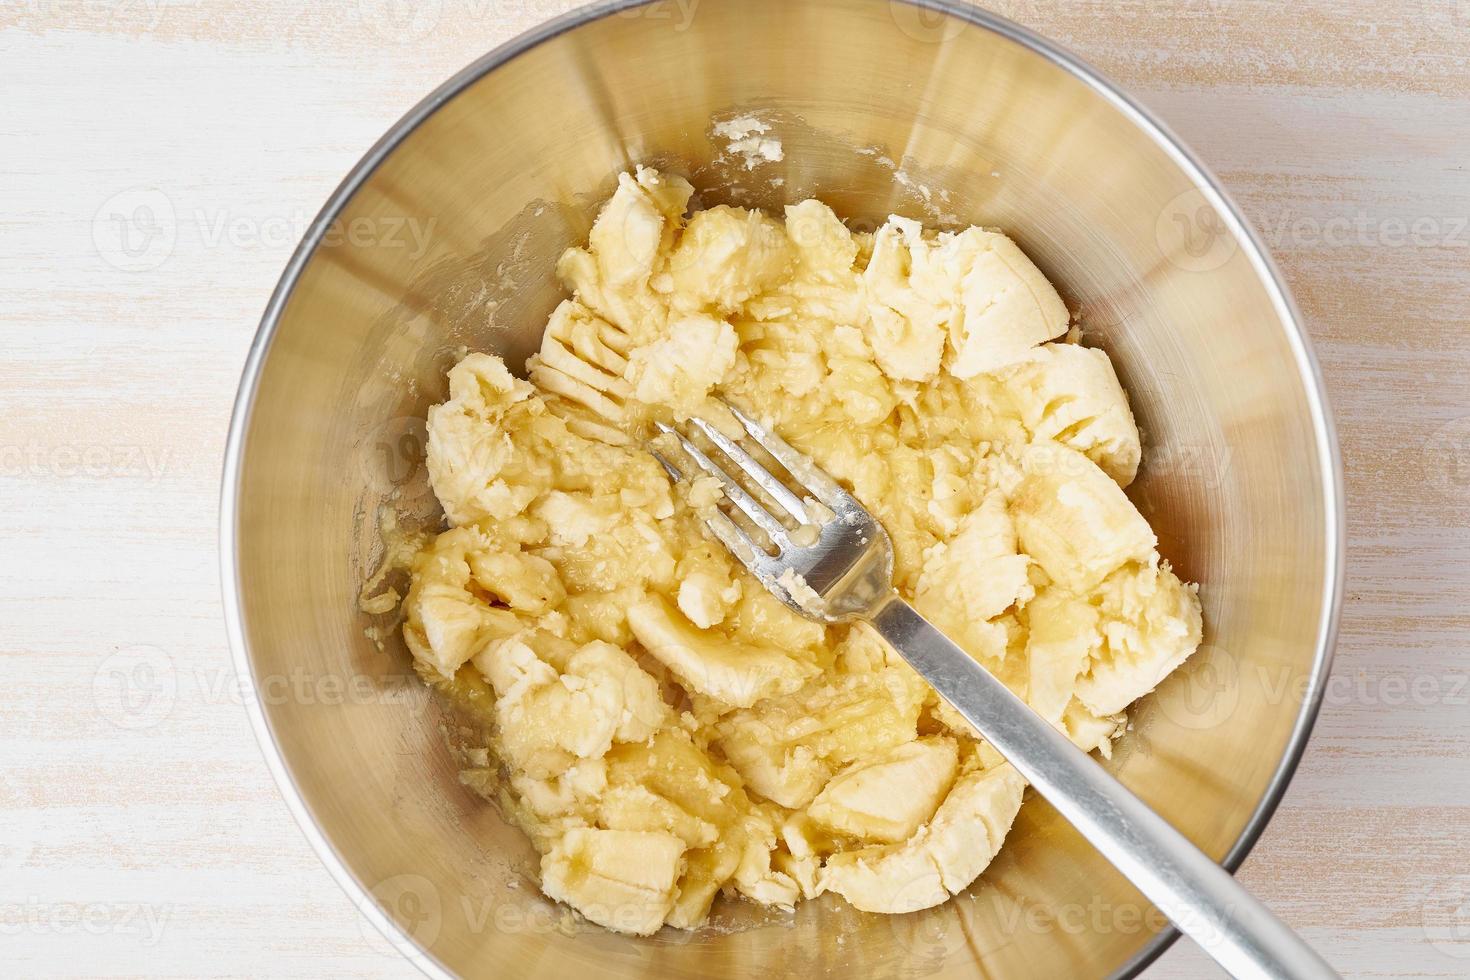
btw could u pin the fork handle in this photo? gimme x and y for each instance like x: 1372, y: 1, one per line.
x: 1196, y: 894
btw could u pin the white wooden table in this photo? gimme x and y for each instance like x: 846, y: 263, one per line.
x: 142, y: 834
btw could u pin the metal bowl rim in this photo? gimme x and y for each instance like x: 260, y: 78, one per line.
x: 1329, y: 458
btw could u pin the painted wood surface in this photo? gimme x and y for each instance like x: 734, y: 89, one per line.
x: 140, y: 832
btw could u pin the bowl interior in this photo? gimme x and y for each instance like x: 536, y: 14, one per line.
x: 450, y: 241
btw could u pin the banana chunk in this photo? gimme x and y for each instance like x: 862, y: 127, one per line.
x: 679, y: 371
x: 1073, y: 519
x: 446, y: 626
x: 734, y: 673
x: 445, y: 622
x: 886, y: 800
x: 621, y: 879
x: 788, y: 748
x: 561, y: 703
x: 1090, y: 731
x: 636, y: 807
x: 974, y: 577
x: 975, y: 289
x: 1151, y: 624
x: 942, y: 859
x: 825, y: 248
x: 728, y: 255
x: 1062, y: 636
x: 1008, y: 308
x: 705, y: 598
x: 706, y: 872
x: 471, y: 462
x: 582, y: 359
x: 755, y: 876
x: 694, y: 793
x: 912, y: 302
x: 526, y: 583
x: 627, y: 249
x: 1071, y: 394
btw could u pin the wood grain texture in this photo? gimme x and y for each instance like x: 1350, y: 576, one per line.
x: 144, y: 836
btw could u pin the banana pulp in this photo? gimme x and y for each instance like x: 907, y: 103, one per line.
x: 662, y: 727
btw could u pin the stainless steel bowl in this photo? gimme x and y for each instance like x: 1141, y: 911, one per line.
x: 445, y: 235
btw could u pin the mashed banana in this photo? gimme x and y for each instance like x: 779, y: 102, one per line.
x: 661, y: 726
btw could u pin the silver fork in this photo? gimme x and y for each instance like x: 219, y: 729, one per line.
x: 846, y: 574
